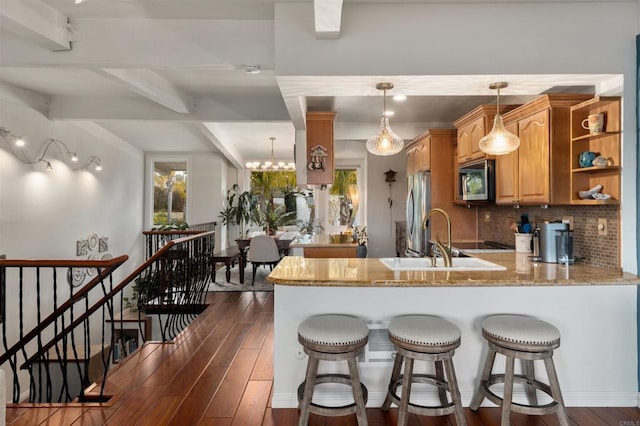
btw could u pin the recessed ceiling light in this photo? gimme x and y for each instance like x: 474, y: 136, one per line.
x: 399, y: 97
x: 252, y: 69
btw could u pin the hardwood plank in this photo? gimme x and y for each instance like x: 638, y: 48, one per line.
x: 224, y: 357
x: 94, y: 417
x: 160, y: 411
x: 195, y: 403
x: 230, y: 393
x: 65, y: 417
x: 135, y: 402
x: 35, y: 416
x: 613, y: 416
x: 178, y: 360
x: 253, y: 404
x: 13, y: 413
x: 278, y: 417
x: 633, y: 412
x: 215, y: 421
x: 259, y: 330
x: 184, y: 381
x: 263, y: 369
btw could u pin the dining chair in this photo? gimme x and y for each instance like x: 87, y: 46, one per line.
x: 263, y: 250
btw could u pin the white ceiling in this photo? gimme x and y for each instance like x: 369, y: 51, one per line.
x: 141, y: 109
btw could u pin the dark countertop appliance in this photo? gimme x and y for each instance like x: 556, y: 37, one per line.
x: 548, y: 232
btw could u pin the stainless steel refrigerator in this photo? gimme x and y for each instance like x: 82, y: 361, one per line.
x: 418, y: 204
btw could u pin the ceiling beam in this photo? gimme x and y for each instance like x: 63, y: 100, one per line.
x: 257, y: 108
x: 209, y: 130
x: 328, y: 18
x: 36, y: 22
x: 150, y: 85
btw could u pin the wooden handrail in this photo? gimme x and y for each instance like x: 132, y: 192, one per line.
x: 99, y: 303
x: 108, y: 267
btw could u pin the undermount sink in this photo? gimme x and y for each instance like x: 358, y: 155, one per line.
x: 424, y: 264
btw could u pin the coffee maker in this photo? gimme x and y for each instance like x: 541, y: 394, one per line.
x: 555, y: 242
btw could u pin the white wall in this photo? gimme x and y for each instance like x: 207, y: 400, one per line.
x: 43, y: 213
x: 381, y: 216
x: 207, y: 191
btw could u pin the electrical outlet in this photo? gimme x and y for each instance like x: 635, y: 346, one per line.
x: 602, y: 226
x: 569, y: 220
x: 300, y: 353
x: 487, y: 216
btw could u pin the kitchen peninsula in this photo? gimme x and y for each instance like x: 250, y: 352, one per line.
x: 593, y: 308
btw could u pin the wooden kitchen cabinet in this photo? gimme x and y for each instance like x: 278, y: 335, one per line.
x: 418, y: 157
x: 606, y: 144
x: 472, y: 127
x: 540, y: 167
x: 320, y: 129
x: 433, y: 151
x: 507, y: 173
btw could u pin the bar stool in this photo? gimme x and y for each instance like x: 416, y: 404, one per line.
x: 332, y: 338
x: 528, y: 339
x: 424, y: 338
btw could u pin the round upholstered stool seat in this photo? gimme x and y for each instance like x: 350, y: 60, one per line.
x: 332, y: 338
x: 519, y: 331
x: 528, y: 339
x: 424, y: 338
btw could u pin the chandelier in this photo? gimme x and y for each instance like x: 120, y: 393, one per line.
x: 270, y: 165
x: 385, y: 142
x: 499, y: 141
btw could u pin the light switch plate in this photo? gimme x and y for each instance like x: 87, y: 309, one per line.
x: 602, y: 226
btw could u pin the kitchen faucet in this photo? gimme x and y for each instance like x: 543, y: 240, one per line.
x: 444, y: 250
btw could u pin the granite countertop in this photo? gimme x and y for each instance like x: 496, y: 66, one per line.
x: 318, y: 241
x: 354, y: 272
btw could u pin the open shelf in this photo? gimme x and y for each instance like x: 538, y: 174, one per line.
x: 606, y: 144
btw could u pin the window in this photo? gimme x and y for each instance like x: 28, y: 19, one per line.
x: 166, y: 199
x: 344, y: 198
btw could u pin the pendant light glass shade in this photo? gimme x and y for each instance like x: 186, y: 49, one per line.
x: 385, y: 142
x: 499, y: 141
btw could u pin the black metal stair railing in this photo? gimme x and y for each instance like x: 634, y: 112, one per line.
x: 174, y: 283
x: 49, y: 323
x: 59, y: 339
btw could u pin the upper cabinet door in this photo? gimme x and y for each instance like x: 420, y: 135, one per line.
x: 423, y: 155
x: 533, y: 161
x: 464, y: 144
x: 507, y: 191
x: 478, y: 130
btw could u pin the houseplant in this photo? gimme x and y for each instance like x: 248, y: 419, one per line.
x: 238, y: 209
x: 360, y: 237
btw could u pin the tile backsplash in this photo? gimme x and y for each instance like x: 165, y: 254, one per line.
x: 594, y: 249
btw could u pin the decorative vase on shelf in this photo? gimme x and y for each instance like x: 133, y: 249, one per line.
x: 361, y: 251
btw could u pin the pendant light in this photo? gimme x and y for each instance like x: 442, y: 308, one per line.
x: 499, y: 141
x: 269, y: 166
x: 385, y: 142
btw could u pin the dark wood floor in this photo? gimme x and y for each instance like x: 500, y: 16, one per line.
x: 219, y: 372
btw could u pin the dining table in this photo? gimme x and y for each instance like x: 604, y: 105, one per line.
x: 245, y: 242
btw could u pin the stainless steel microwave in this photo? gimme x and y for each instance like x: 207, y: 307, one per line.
x: 476, y: 181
